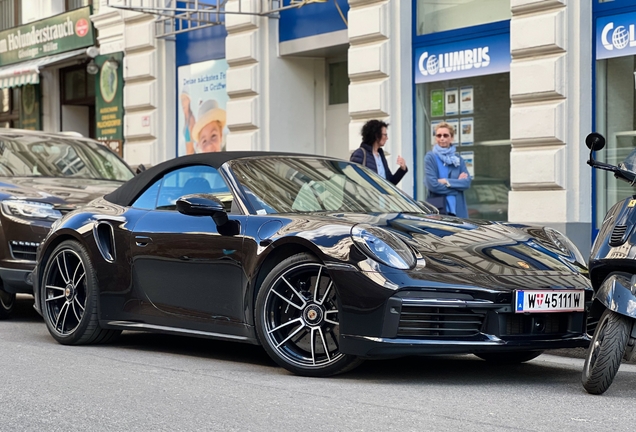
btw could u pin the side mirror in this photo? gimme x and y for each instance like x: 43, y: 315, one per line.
x: 595, y: 141
x: 208, y: 205
x: 140, y: 168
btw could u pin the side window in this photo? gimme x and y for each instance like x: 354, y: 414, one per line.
x: 198, y: 179
x: 148, y: 199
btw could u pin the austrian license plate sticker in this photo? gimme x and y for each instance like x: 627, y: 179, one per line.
x: 549, y: 301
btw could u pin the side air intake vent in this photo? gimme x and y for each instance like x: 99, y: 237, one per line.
x: 618, y: 235
x: 105, y: 238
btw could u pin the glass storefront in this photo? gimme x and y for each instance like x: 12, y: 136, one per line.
x: 440, y: 15
x: 482, y: 123
x: 616, y: 120
x: 615, y: 103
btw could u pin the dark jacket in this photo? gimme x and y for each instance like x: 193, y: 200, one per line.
x: 358, y: 157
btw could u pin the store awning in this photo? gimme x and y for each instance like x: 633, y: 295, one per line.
x: 28, y: 72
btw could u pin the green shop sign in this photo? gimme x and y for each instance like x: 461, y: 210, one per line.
x: 60, y: 33
x: 109, y: 100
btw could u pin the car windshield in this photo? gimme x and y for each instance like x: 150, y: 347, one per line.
x: 629, y: 164
x: 35, y: 156
x: 297, y: 185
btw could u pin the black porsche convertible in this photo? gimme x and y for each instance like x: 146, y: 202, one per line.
x: 319, y: 260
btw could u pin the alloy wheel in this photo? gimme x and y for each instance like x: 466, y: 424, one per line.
x: 301, y: 316
x: 65, y: 291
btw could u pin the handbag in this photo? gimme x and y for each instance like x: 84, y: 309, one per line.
x: 439, y: 202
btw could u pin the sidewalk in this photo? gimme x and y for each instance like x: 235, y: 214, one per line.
x: 577, y: 353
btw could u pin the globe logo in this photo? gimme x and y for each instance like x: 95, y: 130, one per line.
x: 620, y: 37
x: 432, y: 65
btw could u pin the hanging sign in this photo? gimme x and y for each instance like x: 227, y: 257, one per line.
x: 474, y: 57
x: 30, y: 117
x: 616, y: 36
x: 109, y: 100
x: 53, y: 35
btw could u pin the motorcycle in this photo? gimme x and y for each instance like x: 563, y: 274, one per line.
x: 612, y: 267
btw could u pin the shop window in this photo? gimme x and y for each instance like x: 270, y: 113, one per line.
x: 338, y: 83
x: 9, y: 14
x: 440, y: 15
x: 78, y: 86
x: 479, y: 110
x: 10, y: 108
x: 616, y: 120
x: 76, y: 4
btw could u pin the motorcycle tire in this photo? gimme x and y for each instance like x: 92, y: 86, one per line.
x: 606, y: 352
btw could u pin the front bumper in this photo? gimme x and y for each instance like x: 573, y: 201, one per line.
x: 370, y: 347
x: 16, y: 281
x: 400, y: 316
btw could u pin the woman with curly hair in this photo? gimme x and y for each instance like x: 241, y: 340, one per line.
x: 371, y: 155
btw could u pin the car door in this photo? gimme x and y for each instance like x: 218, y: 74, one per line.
x: 181, y: 264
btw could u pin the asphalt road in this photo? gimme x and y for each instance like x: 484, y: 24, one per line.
x: 148, y: 382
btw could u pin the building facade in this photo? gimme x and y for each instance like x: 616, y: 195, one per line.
x: 523, y: 81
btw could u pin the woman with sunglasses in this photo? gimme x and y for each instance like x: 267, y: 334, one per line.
x: 446, y: 175
x: 371, y: 155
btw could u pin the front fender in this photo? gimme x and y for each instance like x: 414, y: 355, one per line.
x: 616, y: 294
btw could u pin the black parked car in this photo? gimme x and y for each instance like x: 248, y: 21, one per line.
x: 43, y: 176
x: 321, y: 261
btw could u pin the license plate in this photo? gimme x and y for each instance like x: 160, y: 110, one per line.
x: 549, y: 301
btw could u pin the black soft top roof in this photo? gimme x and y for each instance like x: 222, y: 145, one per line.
x: 126, y: 194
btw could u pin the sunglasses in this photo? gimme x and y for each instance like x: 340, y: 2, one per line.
x: 443, y: 135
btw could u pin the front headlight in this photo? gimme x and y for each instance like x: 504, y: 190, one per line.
x: 30, y: 210
x: 564, y: 244
x: 383, y: 246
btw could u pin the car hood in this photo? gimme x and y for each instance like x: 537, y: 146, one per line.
x: 454, y: 245
x: 61, y: 191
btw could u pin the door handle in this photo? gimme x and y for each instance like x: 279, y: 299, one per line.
x: 142, y: 241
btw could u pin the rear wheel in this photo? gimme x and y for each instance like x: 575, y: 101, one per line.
x: 7, y: 302
x: 69, y: 297
x: 297, y: 318
x: 512, y: 357
x: 606, y: 352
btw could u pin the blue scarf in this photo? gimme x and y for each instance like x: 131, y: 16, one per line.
x: 447, y: 155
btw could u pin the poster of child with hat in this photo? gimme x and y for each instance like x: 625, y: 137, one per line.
x: 202, y: 98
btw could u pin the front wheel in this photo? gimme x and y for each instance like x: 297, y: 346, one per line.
x: 7, y: 302
x: 606, y: 352
x: 69, y: 297
x: 512, y: 357
x: 297, y: 318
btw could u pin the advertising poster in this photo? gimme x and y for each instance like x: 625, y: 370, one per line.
x: 437, y: 103
x: 452, y: 101
x: 109, y: 101
x: 466, y: 95
x: 469, y: 159
x: 455, y: 124
x: 201, y: 124
x: 433, y: 126
x: 466, y: 131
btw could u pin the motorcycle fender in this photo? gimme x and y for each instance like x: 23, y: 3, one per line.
x: 616, y: 294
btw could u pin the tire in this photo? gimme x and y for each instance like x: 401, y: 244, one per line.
x: 69, y: 297
x: 605, y: 352
x: 7, y: 303
x: 511, y: 357
x: 297, y: 318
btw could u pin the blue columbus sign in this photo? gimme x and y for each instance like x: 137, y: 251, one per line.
x: 616, y: 36
x: 475, y: 57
